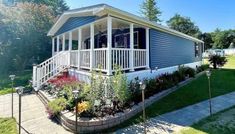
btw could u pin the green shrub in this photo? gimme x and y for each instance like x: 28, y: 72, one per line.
x: 120, y: 86
x: 202, y: 68
x: 217, y: 60
x: 190, y: 72
x: 56, y: 106
x: 6, y: 91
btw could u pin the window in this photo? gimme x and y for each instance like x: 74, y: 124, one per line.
x: 196, y: 50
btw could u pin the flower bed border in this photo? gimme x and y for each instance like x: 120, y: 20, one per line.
x: 85, y: 125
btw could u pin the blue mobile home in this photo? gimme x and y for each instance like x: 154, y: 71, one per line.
x: 100, y: 36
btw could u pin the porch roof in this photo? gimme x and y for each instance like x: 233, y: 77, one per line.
x: 104, y: 9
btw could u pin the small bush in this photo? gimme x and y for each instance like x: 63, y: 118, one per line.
x: 56, y: 106
x: 217, y: 61
x: 202, y: 68
x: 190, y: 72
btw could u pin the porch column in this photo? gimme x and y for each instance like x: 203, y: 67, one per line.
x: 63, y: 45
x: 53, y: 46
x: 79, y: 45
x: 92, y: 46
x: 58, y: 43
x: 131, y: 60
x: 70, y: 47
x: 70, y: 41
x: 147, y: 47
x: 109, y: 46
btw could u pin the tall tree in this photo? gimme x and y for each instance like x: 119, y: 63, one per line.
x: 58, y: 6
x: 184, y: 25
x: 207, y: 38
x: 223, y: 39
x: 24, y: 40
x: 150, y: 10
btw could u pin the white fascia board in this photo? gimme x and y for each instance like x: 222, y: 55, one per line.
x: 136, y: 19
x: 66, y: 15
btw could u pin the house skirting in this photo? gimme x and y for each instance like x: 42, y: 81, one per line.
x: 142, y: 74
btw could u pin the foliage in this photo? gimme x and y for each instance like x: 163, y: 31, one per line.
x: 184, y: 25
x: 202, y: 68
x: 120, y: 86
x: 21, y: 79
x: 56, y: 106
x: 63, y: 80
x: 83, y: 106
x: 8, y: 126
x: 6, y: 91
x: 24, y: 27
x: 194, y: 92
x: 150, y: 11
x: 135, y: 91
x: 223, y: 39
x: 190, y: 71
x: 207, y: 38
x: 217, y: 60
x: 58, y: 6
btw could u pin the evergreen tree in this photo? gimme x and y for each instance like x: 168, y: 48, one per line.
x: 150, y: 11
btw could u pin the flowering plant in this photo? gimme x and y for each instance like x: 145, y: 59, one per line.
x: 83, y: 106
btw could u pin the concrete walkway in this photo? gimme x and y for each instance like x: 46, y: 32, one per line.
x: 176, y: 120
x: 34, y: 117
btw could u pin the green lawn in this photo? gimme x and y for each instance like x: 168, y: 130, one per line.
x: 8, y: 126
x: 231, y: 62
x: 220, y: 123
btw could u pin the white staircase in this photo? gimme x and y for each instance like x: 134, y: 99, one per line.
x: 50, y: 68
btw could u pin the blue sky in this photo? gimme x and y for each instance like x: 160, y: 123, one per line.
x: 207, y: 14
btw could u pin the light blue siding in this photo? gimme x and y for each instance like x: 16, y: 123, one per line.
x: 75, y: 22
x: 168, y: 50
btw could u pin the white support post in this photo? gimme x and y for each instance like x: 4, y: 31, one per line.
x: 147, y: 47
x: 70, y: 40
x: 131, y: 60
x: 91, y: 46
x: 109, y: 46
x: 79, y: 46
x: 34, y: 75
x: 70, y: 46
x: 53, y: 46
x: 63, y: 45
x: 58, y: 43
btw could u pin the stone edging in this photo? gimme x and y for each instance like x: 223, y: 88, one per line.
x: 86, y: 125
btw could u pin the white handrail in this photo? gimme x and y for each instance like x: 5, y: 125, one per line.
x: 50, y: 68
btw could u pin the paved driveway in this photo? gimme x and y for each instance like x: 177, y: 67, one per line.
x: 34, y: 117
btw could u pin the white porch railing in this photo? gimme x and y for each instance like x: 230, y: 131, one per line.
x: 120, y: 57
x: 64, y: 59
x: 85, y: 58
x: 100, y: 62
x: 74, y: 58
x: 139, y: 58
x: 50, y: 68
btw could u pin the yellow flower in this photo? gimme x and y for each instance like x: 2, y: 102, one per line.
x: 83, y: 106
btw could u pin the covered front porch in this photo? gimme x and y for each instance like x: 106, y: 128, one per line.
x: 103, y: 44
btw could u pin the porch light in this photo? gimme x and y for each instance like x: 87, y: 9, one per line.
x: 75, y: 94
x: 12, y: 77
x: 208, y: 73
x: 20, y: 91
x: 142, y: 87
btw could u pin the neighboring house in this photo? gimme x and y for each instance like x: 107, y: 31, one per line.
x: 100, y: 36
x: 210, y: 52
